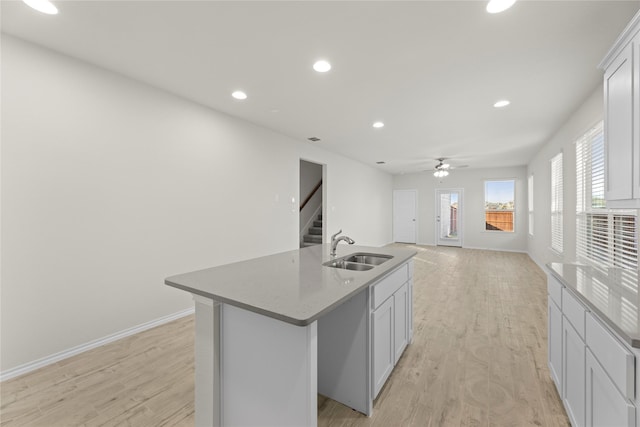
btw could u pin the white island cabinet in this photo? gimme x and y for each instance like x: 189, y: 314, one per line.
x: 273, y: 332
x: 390, y: 322
x: 622, y: 118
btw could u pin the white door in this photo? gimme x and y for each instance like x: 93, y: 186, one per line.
x: 405, y: 204
x: 448, y: 217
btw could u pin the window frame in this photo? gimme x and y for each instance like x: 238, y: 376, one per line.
x: 513, y: 215
x: 530, y: 204
x: 557, y: 203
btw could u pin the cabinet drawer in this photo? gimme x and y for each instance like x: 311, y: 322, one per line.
x: 387, y: 286
x: 617, y: 361
x: 554, y: 289
x: 574, y: 311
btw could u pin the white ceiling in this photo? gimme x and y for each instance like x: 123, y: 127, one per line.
x: 430, y: 70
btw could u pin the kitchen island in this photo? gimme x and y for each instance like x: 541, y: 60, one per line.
x: 274, y: 331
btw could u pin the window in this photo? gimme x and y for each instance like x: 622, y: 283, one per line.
x: 556, y: 203
x: 604, y: 236
x: 530, y: 203
x: 499, y: 199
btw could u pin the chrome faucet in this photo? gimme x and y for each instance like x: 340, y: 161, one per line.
x: 335, y: 241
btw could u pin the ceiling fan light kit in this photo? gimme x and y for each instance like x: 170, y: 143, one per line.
x: 441, y: 168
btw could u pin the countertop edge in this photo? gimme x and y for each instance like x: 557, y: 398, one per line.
x: 628, y: 339
x: 251, y: 308
x: 384, y: 271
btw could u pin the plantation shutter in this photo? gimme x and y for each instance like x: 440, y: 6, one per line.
x: 604, y: 237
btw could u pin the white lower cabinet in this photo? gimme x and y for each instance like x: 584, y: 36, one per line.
x: 391, y: 324
x: 555, y: 343
x: 594, y: 372
x: 606, y: 407
x: 573, y: 370
x: 383, y: 348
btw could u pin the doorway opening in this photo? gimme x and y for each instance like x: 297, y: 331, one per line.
x: 312, y: 203
x: 449, y: 228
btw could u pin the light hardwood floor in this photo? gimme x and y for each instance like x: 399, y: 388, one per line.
x: 478, y: 358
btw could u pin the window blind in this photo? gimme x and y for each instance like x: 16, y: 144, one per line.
x: 530, y: 203
x: 604, y: 237
x: 556, y: 203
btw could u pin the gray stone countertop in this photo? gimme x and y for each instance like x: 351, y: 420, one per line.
x: 290, y: 286
x: 611, y: 293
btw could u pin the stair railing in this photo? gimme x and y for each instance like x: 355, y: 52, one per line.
x: 313, y: 192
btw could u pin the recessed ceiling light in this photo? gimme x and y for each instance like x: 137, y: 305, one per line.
x: 44, y: 6
x: 239, y: 95
x: 378, y: 125
x: 322, y: 66
x: 497, y: 6
x: 501, y: 103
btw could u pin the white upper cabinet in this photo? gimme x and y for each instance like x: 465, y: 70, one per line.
x: 622, y: 118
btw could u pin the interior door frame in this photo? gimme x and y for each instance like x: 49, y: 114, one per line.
x: 393, y: 209
x: 460, y: 191
x: 324, y: 210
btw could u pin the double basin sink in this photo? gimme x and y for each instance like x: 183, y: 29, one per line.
x: 358, y: 261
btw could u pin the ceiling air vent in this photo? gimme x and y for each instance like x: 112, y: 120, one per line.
x: 314, y: 139
x: 380, y: 163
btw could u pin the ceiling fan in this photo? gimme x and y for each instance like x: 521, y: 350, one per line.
x: 442, y: 169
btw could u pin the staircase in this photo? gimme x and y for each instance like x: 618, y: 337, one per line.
x: 314, y: 234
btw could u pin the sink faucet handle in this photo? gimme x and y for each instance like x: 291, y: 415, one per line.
x: 335, y: 235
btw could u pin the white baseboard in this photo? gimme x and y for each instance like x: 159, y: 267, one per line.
x: 518, y: 251
x: 36, y: 364
x: 538, y: 263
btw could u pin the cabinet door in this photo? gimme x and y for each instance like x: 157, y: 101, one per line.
x: 573, y: 370
x: 410, y: 317
x: 383, y: 349
x: 618, y: 126
x: 401, y: 321
x: 555, y: 343
x: 605, y: 405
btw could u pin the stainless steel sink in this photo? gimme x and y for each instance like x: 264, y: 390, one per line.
x: 341, y: 263
x: 358, y: 261
x: 371, y: 259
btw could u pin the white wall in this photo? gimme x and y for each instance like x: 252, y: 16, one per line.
x: 109, y: 186
x: 359, y: 197
x: 472, y: 183
x: 539, y: 246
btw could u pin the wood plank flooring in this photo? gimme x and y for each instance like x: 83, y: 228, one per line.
x: 478, y: 358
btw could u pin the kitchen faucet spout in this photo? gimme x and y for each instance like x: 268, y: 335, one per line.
x: 335, y: 240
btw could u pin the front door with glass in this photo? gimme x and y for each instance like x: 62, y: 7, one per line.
x: 448, y: 217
